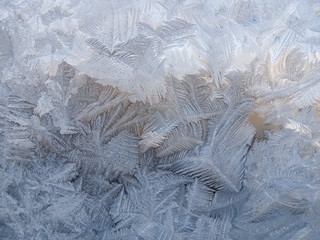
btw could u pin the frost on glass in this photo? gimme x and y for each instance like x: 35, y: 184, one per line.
x: 159, y: 119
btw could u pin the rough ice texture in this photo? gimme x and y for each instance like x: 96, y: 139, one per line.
x: 159, y: 119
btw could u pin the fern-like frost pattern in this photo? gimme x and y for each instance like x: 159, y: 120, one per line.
x: 159, y: 119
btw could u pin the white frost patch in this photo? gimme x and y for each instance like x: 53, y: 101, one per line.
x: 44, y: 105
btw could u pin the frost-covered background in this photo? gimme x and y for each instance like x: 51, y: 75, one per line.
x: 159, y: 119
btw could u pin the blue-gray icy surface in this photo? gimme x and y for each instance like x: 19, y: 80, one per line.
x: 159, y: 119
